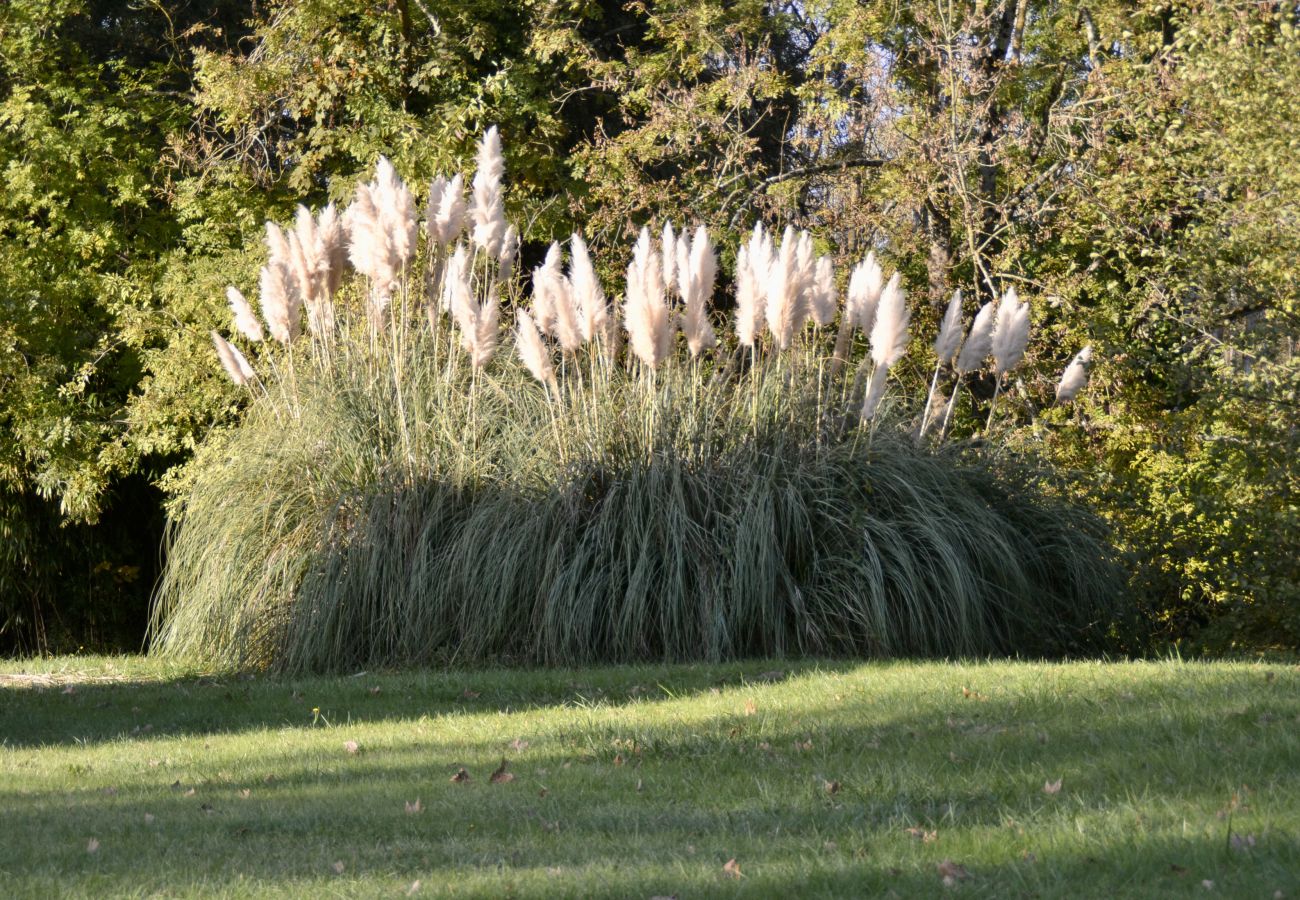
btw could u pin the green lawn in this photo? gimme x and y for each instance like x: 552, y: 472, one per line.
x: 125, y: 777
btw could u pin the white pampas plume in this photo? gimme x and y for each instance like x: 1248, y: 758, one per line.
x: 888, y: 340
x: 481, y: 341
x: 246, y: 322
x: 279, y: 307
x: 1075, y: 376
x: 489, y: 211
x: 553, y: 302
x: 949, y: 339
x: 696, y: 274
x: 1010, y: 333
x: 645, y: 311
x: 532, y: 350
x: 668, y: 257
x: 329, y: 229
x: 978, y: 342
x: 277, y: 244
x: 806, y: 271
x: 865, y: 284
x: 236, y: 366
x: 509, y: 253
x: 786, y: 307
x: 445, y: 213
x: 457, y: 293
x: 588, y: 296
x: 749, y: 300
x: 822, y: 296
x: 397, y: 212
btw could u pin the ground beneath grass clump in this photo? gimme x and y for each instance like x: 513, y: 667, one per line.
x: 129, y: 777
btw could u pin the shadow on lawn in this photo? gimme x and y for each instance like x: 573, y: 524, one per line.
x: 685, y: 798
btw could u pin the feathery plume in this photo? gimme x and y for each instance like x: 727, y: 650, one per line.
x: 329, y: 229
x: 823, y: 296
x: 1010, y: 333
x: 668, y: 257
x: 749, y: 300
x: 509, y: 253
x: 1075, y: 376
x: 489, y: 211
x: 865, y: 285
x: 236, y: 366
x: 246, y: 322
x: 948, y: 342
x: 786, y: 309
x: 588, y: 296
x: 277, y: 244
x: 532, y: 350
x: 645, y: 311
x: 888, y: 341
x: 979, y: 342
x: 279, y: 306
x: 445, y: 213
x: 483, y: 344
x: 457, y: 293
x: 553, y: 301
x: 697, y: 269
x: 396, y: 213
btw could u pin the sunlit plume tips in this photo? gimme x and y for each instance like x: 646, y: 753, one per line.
x: 553, y: 302
x: 489, y: 211
x: 823, y: 296
x: 532, y: 349
x: 1075, y: 376
x: 236, y: 366
x: 382, y: 232
x: 668, y: 258
x: 645, y: 311
x: 246, y: 321
x: 588, y: 296
x: 445, y: 213
x: 786, y: 298
x: 1010, y: 333
x: 865, y: 284
x: 749, y: 300
x: 889, y: 334
x: 697, y: 269
x: 948, y: 342
x: 979, y: 342
x: 279, y: 302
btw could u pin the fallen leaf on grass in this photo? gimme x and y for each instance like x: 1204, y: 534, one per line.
x: 750, y: 707
x: 518, y: 745
x: 969, y: 694
x: 501, y: 776
x: 471, y: 695
x: 1052, y: 787
x: 832, y: 787
x: 732, y: 868
x: 1207, y: 884
x: 191, y: 792
x: 1241, y: 842
x: 925, y: 837
x: 618, y: 759
x: 92, y: 846
x: 246, y: 793
x: 413, y: 808
x: 415, y: 886
x: 339, y: 867
x: 71, y: 689
x: 352, y: 747
x: 148, y: 818
x: 461, y: 776
x: 951, y: 872
x: 375, y: 691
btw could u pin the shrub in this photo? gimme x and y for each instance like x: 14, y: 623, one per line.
x: 400, y: 492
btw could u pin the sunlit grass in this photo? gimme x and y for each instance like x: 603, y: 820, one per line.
x: 645, y: 781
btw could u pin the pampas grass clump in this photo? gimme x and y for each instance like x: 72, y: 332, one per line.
x: 442, y: 471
